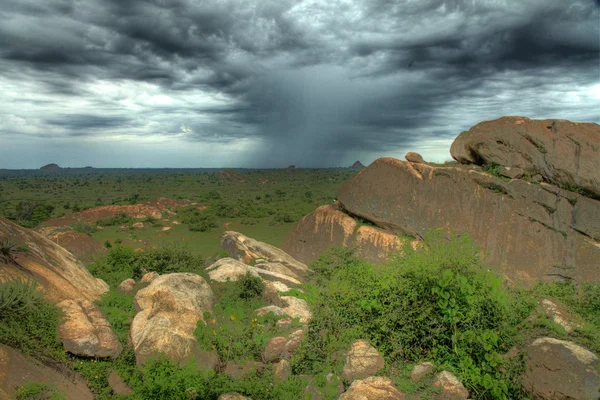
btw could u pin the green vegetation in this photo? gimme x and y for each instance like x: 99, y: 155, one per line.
x: 8, y: 249
x: 38, y: 391
x: 115, y: 220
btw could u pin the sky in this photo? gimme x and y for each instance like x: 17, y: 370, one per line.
x: 270, y: 83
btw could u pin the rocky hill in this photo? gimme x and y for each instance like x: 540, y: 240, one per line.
x: 515, y: 207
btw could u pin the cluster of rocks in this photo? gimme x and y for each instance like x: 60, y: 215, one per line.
x: 527, y: 229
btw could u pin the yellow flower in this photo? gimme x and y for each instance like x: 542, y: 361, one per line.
x: 232, y: 317
x: 96, y: 377
x: 214, y: 332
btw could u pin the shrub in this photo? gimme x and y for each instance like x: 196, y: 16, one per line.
x: 168, y: 259
x: 118, y: 219
x: 17, y: 295
x: 38, y: 391
x: 84, y: 228
x: 8, y: 250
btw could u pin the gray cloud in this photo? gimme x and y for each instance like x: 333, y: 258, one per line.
x: 271, y: 83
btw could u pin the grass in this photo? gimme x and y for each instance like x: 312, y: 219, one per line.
x: 38, y: 391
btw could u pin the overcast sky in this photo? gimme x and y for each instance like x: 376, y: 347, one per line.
x: 268, y: 83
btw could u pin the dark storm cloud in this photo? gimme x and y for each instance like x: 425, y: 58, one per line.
x: 306, y: 82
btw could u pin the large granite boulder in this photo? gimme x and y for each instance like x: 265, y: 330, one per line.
x: 526, y: 231
x: 248, y: 250
x: 373, y: 388
x: 558, y: 369
x: 329, y: 226
x: 58, y: 273
x: 169, y: 309
x: 86, y: 332
x: 362, y: 360
x: 563, y: 152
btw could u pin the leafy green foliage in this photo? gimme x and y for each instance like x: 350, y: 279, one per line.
x: 27, y: 321
x: 8, y: 249
x: 38, y: 391
x: 84, y: 228
x: 119, y: 311
x: 31, y: 213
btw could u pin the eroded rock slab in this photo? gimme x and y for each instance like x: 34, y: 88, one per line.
x: 373, y: 388
x: 169, y: 309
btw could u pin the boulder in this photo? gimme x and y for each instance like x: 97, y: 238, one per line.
x: 138, y: 225
x: 169, y: 309
x: 450, y: 386
x: 247, y: 250
x: 86, y: 332
x: 149, y: 277
x: 526, y: 231
x: 413, y: 157
x: 558, y: 369
x: 58, y: 273
x: 268, y: 309
x: 280, y: 347
x: 297, y: 308
x: 127, y: 285
x: 232, y: 396
x: 282, y: 370
x: 271, y: 294
x: 420, y: 371
x: 228, y: 269
x: 329, y: 226
x: 16, y: 370
x: 362, y: 361
x: 83, y: 247
x: 563, y: 152
x: 373, y: 388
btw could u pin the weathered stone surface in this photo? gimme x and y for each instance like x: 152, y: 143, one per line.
x: 86, y: 332
x: 118, y: 385
x: 169, y: 309
x: 277, y: 268
x: 451, y: 387
x: 557, y: 369
x: 362, y: 361
x: 328, y: 226
x: 271, y: 294
x: 149, y: 277
x: 59, y: 274
x: 267, y: 309
x: 138, y: 225
x: 83, y: 247
x: 127, y: 285
x: 228, y: 269
x: 413, y: 157
x: 558, y: 314
x: 280, y: 347
x: 325, y: 227
x: 16, y: 370
x: 564, y: 152
x: 282, y: 370
x: 511, y: 172
x: 297, y: 308
x: 526, y: 231
x: 420, y: 371
x: 276, y: 277
x: 373, y: 388
x: 247, y: 250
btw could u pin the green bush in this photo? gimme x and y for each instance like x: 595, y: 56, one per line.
x: 28, y: 322
x: 436, y: 303
x: 38, y: 391
x: 118, y: 219
x: 117, y: 266
x: 84, y: 228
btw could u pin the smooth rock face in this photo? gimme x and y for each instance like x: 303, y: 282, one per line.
x: 86, y: 332
x: 83, y: 247
x: 247, y: 250
x: 169, y: 309
x: 558, y: 369
x: 228, y: 269
x: 372, y: 388
x: 328, y: 226
x: 362, y: 360
x: 451, y: 387
x: 16, y: 370
x: 59, y: 274
x: 526, y: 231
x: 511, y: 172
x: 563, y: 152
x: 413, y: 157
x: 297, y: 308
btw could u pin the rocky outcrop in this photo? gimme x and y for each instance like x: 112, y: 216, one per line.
x: 127, y: 286
x: 373, y: 388
x: 413, y: 157
x: 83, y: 247
x: 282, y: 348
x: 420, y: 371
x: 230, y: 269
x: 329, y: 226
x: 557, y: 369
x: 59, y: 274
x: 362, y: 361
x: 169, y: 309
x: 86, y: 332
x: 16, y: 370
x: 526, y: 231
x: 563, y: 152
x: 451, y: 387
x: 247, y: 250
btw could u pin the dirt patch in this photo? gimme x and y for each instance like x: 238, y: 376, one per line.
x: 151, y: 208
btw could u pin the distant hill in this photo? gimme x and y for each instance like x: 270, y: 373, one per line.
x: 51, y: 167
x: 357, y: 165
